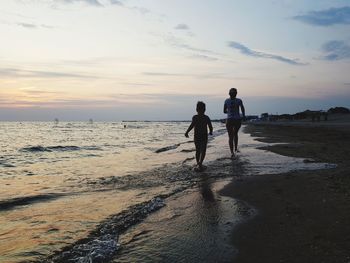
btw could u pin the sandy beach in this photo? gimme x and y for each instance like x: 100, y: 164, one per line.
x: 303, y: 216
x: 229, y: 214
x: 283, y: 199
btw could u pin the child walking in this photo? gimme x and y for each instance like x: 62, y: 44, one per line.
x: 200, y: 123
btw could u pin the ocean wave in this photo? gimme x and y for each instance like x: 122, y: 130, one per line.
x: 188, y: 150
x: 171, y: 147
x: 167, y: 148
x: 174, y: 146
x: 59, y: 148
x: 102, y: 243
x: 26, y: 200
x: 7, y: 165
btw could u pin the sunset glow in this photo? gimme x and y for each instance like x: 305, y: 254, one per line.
x: 108, y: 55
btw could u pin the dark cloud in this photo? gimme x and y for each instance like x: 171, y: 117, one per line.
x: 335, y: 50
x: 328, y: 17
x: 252, y: 53
x: 182, y: 27
x: 19, y: 73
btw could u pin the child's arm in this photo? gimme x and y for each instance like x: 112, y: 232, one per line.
x: 190, y: 128
x: 210, y: 127
x: 225, y: 108
x: 243, y: 110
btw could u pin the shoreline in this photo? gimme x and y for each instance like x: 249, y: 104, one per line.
x: 194, y: 226
x: 231, y: 209
x: 303, y: 215
x: 102, y: 242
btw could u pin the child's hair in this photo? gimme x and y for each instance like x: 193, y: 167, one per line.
x: 200, y: 106
x: 233, y: 92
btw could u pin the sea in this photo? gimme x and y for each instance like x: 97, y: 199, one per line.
x: 123, y: 191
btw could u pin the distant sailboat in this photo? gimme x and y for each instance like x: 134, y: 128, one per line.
x: 56, y: 121
x: 91, y: 121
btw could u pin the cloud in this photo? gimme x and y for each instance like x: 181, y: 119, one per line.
x: 31, y: 91
x: 19, y: 73
x: 335, y: 50
x: 182, y: 27
x: 252, y: 53
x: 27, y: 25
x: 117, y: 2
x: 179, y: 43
x: 89, y: 2
x: 50, y: 99
x: 167, y: 74
x: 328, y: 17
x: 211, y: 75
x: 99, y: 3
x: 196, y: 52
x: 135, y: 84
x: 203, y: 57
x: 33, y: 26
x: 96, y: 3
x: 141, y: 10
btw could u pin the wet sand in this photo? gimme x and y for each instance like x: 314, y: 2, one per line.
x: 194, y: 226
x: 303, y: 216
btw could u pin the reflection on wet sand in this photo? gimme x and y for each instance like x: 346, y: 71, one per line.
x: 205, y: 189
x: 194, y: 226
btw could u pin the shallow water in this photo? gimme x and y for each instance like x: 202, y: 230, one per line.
x: 195, y: 226
x: 60, y: 181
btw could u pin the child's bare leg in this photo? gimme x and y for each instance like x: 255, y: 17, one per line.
x: 230, y: 140
x: 237, y: 126
x: 198, y: 152
x: 236, y: 139
x: 203, y: 152
x: 229, y: 129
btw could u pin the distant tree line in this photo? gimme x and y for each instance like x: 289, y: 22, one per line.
x: 308, y: 114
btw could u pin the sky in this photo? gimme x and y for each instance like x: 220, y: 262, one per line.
x: 113, y: 60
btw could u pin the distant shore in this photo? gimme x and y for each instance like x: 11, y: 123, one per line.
x: 303, y: 216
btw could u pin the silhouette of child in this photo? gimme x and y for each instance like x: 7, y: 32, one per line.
x: 234, y: 119
x: 200, y: 123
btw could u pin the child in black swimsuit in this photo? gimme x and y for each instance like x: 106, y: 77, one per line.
x: 200, y: 123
